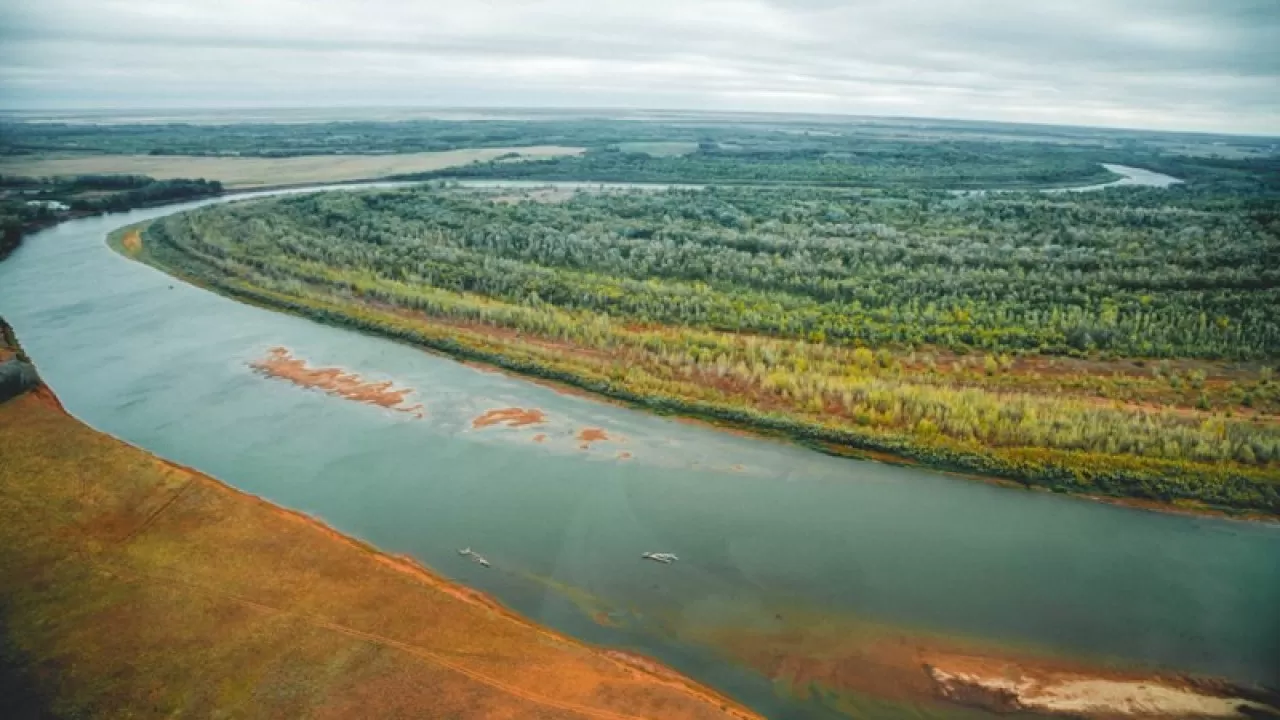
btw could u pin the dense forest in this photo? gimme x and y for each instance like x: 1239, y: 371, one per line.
x: 27, y: 203
x: 1046, y: 337
x: 1127, y: 272
x: 881, y: 164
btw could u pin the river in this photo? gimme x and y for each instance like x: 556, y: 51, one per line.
x: 768, y: 534
x: 1129, y: 176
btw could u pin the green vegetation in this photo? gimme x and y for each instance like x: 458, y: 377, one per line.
x: 330, y: 138
x: 1131, y: 273
x: 968, y: 165
x: 971, y: 332
x: 897, y: 164
x: 28, y: 204
x: 690, y: 148
x: 106, y: 193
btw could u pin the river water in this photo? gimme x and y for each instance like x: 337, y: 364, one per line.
x: 765, y: 531
x: 1130, y: 176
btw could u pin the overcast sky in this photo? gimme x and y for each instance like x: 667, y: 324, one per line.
x: 1170, y: 64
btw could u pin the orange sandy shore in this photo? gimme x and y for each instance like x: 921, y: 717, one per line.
x: 132, y: 241
x: 139, y: 587
x: 280, y: 363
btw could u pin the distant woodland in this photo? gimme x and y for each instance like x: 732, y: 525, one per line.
x: 30, y: 203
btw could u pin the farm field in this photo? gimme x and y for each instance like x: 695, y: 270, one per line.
x: 243, y: 173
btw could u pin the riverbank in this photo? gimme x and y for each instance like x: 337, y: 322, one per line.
x: 137, y: 586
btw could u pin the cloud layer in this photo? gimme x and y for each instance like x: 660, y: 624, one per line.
x: 1173, y: 64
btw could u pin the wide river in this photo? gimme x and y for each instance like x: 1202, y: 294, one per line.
x: 767, y: 534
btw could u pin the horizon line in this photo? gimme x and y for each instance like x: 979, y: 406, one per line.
x: 607, y: 110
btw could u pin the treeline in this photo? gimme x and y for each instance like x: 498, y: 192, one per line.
x: 16, y: 219
x: 104, y: 193
x: 324, y: 138
x: 76, y: 183
x: 151, y: 193
x: 27, y: 204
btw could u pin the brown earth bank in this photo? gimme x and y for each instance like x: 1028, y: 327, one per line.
x: 133, y: 587
x: 280, y: 363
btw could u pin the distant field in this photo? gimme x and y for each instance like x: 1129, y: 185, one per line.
x: 249, y: 172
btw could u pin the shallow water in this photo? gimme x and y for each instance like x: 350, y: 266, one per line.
x: 764, y: 530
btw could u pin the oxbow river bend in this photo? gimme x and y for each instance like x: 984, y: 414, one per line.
x: 770, y: 536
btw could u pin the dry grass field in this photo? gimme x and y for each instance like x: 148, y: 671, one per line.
x: 241, y: 173
x: 130, y: 587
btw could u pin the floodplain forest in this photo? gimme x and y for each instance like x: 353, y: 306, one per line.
x: 1117, y: 343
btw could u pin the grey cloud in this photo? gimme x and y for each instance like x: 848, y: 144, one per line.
x: 1193, y: 64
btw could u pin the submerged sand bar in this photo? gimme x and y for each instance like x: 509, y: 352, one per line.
x: 280, y: 363
x: 1027, y: 688
x: 511, y: 417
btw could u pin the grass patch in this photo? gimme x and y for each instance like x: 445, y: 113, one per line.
x: 130, y: 587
